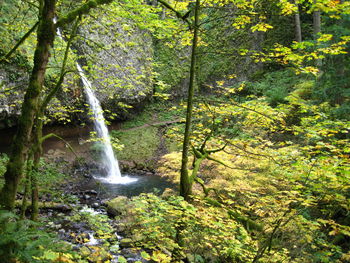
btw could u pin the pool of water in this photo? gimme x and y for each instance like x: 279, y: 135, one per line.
x: 142, y: 184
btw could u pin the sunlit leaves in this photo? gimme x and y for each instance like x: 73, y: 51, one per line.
x: 287, y: 8
x: 263, y: 27
x: 163, y: 220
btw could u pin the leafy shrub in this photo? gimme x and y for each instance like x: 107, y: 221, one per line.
x: 275, y: 86
x: 174, y: 228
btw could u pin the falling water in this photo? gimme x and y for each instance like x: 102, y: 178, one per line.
x: 108, y: 158
x: 102, y: 132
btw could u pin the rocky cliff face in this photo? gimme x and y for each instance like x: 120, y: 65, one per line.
x: 119, y: 61
x: 119, y: 65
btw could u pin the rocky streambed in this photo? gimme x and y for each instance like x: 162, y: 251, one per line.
x: 87, y: 218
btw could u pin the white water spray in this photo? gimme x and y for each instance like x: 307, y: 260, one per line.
x: 108, y: 158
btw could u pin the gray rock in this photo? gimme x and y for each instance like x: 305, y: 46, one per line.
x: 91, y: 192
x: 95, y: 205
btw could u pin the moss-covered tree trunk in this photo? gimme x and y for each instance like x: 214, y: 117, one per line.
x: 185, y: 180
x: 37, y: 152
x: 21, y: 144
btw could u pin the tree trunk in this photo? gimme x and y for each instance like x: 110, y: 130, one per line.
x: 37, y: 135
x: 317, y: 29
x: 298, y: 36
x: 185, y: 180
x: 21, y: 144
x: 316, y: 21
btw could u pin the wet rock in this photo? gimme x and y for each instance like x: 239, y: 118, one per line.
x: 121, y: 227
x: 78, y: 227
x: 63, y: 208
x: 128, y: 253
x: 104, y: 202
x: 87, y: 175
x: 95, y: 205
x: 91, y: 192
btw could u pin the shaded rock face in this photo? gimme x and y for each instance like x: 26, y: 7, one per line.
x: 119, y: 59
x: 13, y: 82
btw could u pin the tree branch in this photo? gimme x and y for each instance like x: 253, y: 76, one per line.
x: 26, y: 35
x: 84, y: 9
x: 251, y: 153
x: 177, y: 13
x: 58, y: 137
x: 63, y: 73
x: 224, y: 164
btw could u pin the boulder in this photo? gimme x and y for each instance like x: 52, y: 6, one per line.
x: 118, y: 206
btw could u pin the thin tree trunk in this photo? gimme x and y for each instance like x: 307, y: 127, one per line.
x: 185, y: 180
x: 317, y: 29
x: 36, y: 162
x: 21, y: 144
x: 316, y: 21
x: 26, y: 187
x: 298, y: 35
x: 20, y: 42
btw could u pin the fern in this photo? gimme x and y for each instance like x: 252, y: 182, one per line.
x: 21, y: 240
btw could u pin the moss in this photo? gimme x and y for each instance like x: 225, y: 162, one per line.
x: 140, y: 145
x: 118, y: 206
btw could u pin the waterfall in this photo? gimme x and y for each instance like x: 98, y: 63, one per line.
x: 108, y: 158
x: 101, y: 129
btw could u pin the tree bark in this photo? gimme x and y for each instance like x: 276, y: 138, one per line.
x: 316, y: 21
x: 185, y: 180
x: 317, y: 29
x: 21, y: 144
x: 298, y: 35
x: 37, y: 135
